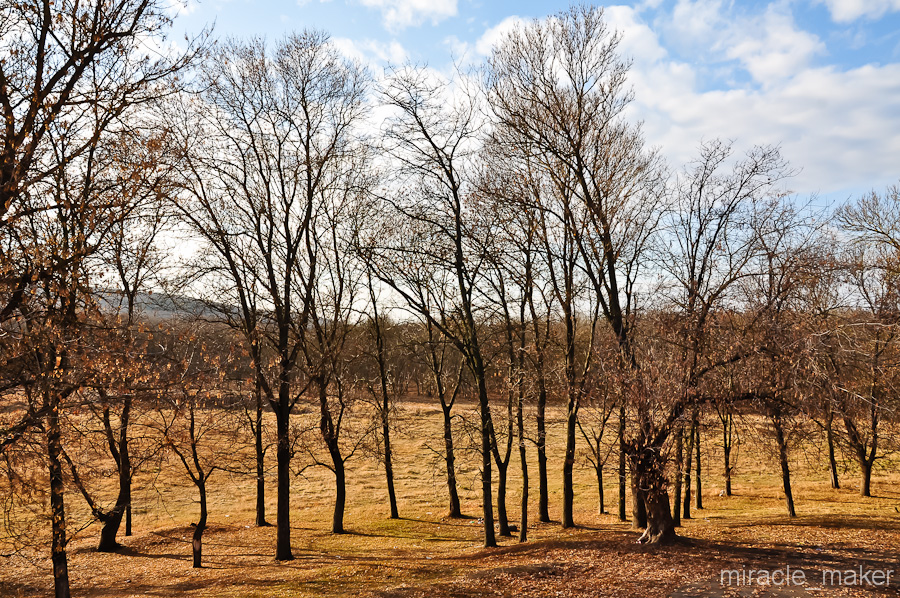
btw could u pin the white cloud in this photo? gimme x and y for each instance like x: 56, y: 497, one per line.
x: 846, y: 11
x: 496, y: 33
x: 398, y: 14
x: 772, y: 48
x: 371, y: 52
x: 841, y: 128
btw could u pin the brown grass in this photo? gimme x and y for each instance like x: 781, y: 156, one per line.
x: 426, y: 554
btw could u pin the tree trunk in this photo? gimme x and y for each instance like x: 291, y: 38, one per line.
x: 686, y: 503
x: 699, y: 491
x: 283, y: 512
x: 490, y: 540
x: 865, y: 486
x: 543, y: 492
x: 450, y: 459
x: 832, y: 460
x: 679, y: 466
x: 602, y: 506
x: 57, y: 506
x: 523, y: 519
x: 260, y: 462
x: 113, y: 520
x: 727, y: 428
x: 388, y: 461
x: 197, y: 540
x: 502, y: 520
x: 648, y: 475
x: 622, y: 515
x: 638, y: 503
x: 777, y: 423
x: 340, y: 489
x: 569, y: 463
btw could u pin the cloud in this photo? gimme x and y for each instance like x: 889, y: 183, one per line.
x: 493, y: 35
x: 398, y: 14
x: 847, y: 11
x: 771, y: 47
x: 840, y: 127
x: 371, y: 52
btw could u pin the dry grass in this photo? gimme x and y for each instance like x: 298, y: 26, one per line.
x: 426, y: 554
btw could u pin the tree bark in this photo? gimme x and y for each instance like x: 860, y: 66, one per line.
x: 520, y: 422
x: 686, y: 503
x: 388, y: 459
x: 568, y: 520
x: 113, y: 520
x: 502, y: 519
x: 699, y: 491
x: 638, y: 503
x: 543, y: 491
x: 778, y: 424
x: 649, y: 482
x: 727, y: 429
x: 57, y: 505
x: 340, y: 490
x: 260, y: 461
x: 450, y: 460
x: 679, y: 466
x: 832, y: 460
x: 197, y: 539
x: 601, y: 509
x: 490, y: 540
x: 622, y: 514
x: 283, y: 511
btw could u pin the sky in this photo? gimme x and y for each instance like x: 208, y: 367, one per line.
x: 818, y: 78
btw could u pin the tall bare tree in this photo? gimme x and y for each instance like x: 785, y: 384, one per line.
x: 434, y: 255
x: 266, y: 147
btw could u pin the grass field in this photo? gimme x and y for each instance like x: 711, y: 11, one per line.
x: 426, y: 554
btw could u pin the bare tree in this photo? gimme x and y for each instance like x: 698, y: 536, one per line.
x: 434, y: 254
x: 558, y: 86
x: 266, y: 147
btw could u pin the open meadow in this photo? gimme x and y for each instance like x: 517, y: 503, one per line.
x: 425, y: 553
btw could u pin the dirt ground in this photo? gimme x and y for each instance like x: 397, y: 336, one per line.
x: 425, y: 554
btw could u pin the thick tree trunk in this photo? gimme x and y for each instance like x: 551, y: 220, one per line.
x: 128, y: 519
x: 502, y: 519
x: 340, y: 489
x: 727, y: 428
x: 865, y: 486
x: 57, y: 507
x: 689, y: 451
x: 523, y: 518
x: 601, y: 508
x: 120, y: 449
x: 679, y: 466
x: 490, y: 540
x: 622, y: 514
x: 648, y: 473
x: 832, y: 460
x: 450, y: 459
x: 113, y: 520
x: 260, y: 462
x: 699, y: 491
x: 197, y: 540
x: 777, y: 423
x: 638, y: 502
x: 283, y: 511
x: 569, y: 464
x: 388, y: 463
x: 543, y: 492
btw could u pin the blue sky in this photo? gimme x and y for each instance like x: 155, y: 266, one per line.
x: 820, y: 78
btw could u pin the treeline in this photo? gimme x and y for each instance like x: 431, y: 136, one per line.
x: 505, y: 235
